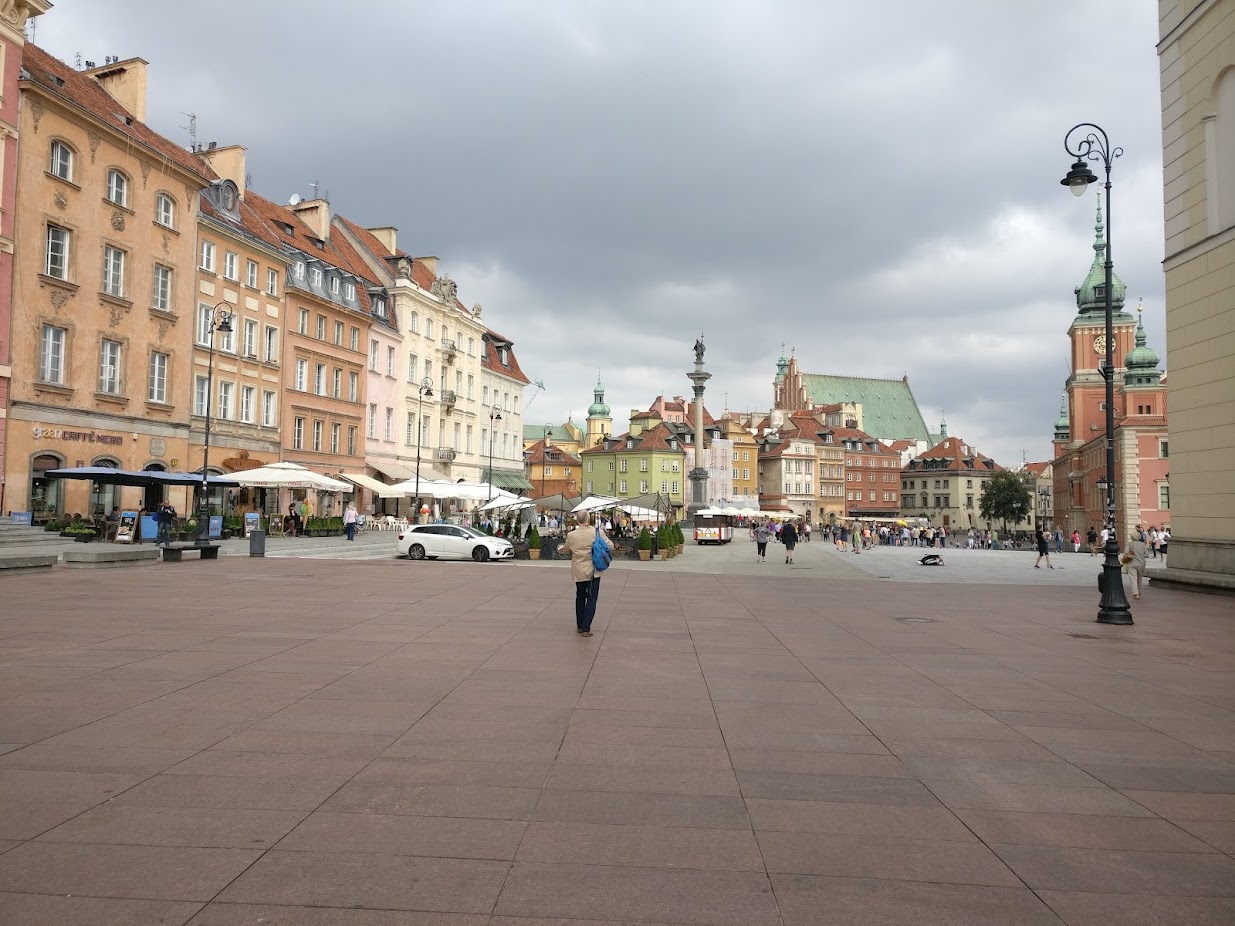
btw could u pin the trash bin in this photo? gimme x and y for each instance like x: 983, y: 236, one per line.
x: 655, y: 547
x: 257, y: 543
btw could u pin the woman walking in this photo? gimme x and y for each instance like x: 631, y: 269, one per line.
x: 761, y: 542
x: 587, y: 579
x: 349, y: 520
x: 789, y: 536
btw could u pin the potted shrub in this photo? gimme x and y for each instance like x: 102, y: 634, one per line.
x: 188, y: 530
x: 533, y: 543
x: 80, y: 531
x: 679, y: 539
x: 644, y: 545
x: 662, y: 541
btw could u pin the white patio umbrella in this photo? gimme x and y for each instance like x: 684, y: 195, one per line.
x: 732, y: 512
x: 288, y: 476
x: 506, y: 500
x: 748, y: 512
x: 596, y: 503
x: 642, y: 514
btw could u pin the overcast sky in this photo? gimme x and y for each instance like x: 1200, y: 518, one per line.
x: 875, y: 186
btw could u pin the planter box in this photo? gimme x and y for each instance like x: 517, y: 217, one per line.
x: 645, y: 555
x: 533, y: 554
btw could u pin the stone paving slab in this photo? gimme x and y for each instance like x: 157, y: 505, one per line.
x: 384, y: 743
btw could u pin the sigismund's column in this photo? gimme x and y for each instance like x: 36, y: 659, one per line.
x: 699, y: 474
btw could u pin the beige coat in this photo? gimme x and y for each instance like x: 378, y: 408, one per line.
x: 1137, y: 549
x: 579, y: 543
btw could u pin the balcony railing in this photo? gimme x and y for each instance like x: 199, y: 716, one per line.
x: 450, y: 349
x: 446, y: 454
x: 449, y: 398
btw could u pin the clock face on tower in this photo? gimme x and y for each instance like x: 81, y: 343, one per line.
x: 1099, y: 345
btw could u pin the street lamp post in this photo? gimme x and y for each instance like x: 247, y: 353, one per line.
x: 1091, y: 143
x: 424, y: 389
x: 495, y: 415
x: 217, y: 318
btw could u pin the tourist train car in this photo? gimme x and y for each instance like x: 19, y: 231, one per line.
x: 712, y: 526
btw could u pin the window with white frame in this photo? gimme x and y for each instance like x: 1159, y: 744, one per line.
x: 316, y: 277
x: 204, y: 324
x: 373, y: 356
x: 201, y: 385
x: 349, y: 292
x: 271, y: 348
x: 109, y: 367
x: 353, y: 387
x: 428, y: 328
x: 56, y: 261
x: 412, y: 363
x: 250, y: 274
x: 272, y: 282
x: 113, y: 271
x: 471, y: 347
x: 302, y: 374
x: 409, y: 433
x: 225, y: 400
x: 319, y: 379
x: 664, y: 487
x: 250, y: 337
x: 351, y: 440
x: 298, y: 270
x: 355, y: 338
x: 321, y: 327
x: 60, y: 164
x: 165, y: 210
x: 468, y: 446
x: 227, y: 341
x: 390, y: 361
x: 334, y: 285
x: 231, y: 266
x: 248, y: 395
x: 158, y: 377
x: 207, y: 258
x: 471, y: 385
x: 161, y: 295
x: 298, y: 434
x: 337, y: 391
x: 338, y: 333
x: 371, y: 431
x: 270, y: 409
x: 117, y: 188
x: 1164, y: 496
x: 317, y: 435
x: 413, y: 322
x: 302, y: 321
x: 390, y: 423
x: 335, y: 430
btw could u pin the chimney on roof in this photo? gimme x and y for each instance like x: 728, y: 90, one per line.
x: 430, y: 264
x: 228, y: 163
x: 126, y: 82
x: 386, y: 234
x: 316, y: 214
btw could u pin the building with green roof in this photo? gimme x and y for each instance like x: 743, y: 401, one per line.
x: 887, y: 408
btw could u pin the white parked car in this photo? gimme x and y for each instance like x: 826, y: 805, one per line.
x: 449, y: 541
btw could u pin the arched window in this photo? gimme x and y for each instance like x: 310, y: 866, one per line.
x: 413, y: 323
x: 428, y: 327
x: 117, y: 188
x: 46, y: 501
x: 61, y: 162
x: 165, y: 210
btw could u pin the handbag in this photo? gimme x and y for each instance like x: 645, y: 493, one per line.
x: 1125, y: 559
x: 601, y: 554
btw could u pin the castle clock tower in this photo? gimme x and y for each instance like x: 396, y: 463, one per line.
x: 1086, y: 388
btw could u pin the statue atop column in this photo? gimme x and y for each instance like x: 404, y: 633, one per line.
x: 699, y: 349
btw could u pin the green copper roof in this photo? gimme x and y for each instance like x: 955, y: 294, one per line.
x: 1142, y: 360
x: 1062, y: 426
x: 1091, y: 294
x: 557, y: 433
x: 889, y: 410
x: 598, y: 408
x: 782, y: 366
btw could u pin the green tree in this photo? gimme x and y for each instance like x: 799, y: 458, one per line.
x: 1006, y: 496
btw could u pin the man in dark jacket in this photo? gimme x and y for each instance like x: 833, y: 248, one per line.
x: 789, y: 537
x: 167, y: 520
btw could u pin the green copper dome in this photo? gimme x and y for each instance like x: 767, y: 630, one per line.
x: 1142, y: 361
x: 1091, y: 294
x: 782, y: 366
x: 1062, y: 426
x: 598, y: 408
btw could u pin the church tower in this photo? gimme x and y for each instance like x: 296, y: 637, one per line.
x: 599, y: 421
x: 1086, y: 388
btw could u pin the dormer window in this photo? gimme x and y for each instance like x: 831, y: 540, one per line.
x: 503, y: 356
x: 334, y: 285
x: 317, y: 277
x: 379, y: 307
x: 299, y: 273
x: 350, y: 292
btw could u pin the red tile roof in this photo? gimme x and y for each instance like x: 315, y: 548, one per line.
x: 536, y: 455
x: 58, y: 79
x: 1037, y: 468
x: 953, y: 455
x: 654, y: 438
x: 250, y: 222
x: 490, y: 358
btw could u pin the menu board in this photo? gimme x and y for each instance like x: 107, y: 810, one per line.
x: 127, y: 530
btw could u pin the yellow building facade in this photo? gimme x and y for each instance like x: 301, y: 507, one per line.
x: 1197, y: 61
x: 105, y: 240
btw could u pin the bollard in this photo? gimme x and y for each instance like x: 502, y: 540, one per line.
x: 257, y: 543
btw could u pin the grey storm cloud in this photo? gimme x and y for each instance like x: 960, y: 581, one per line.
x: 874, y: 186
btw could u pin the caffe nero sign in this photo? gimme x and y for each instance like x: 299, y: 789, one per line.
x: 84, y: 437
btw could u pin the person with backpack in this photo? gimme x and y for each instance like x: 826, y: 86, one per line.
x: 590, y: 551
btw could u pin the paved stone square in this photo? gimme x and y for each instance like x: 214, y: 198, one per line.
x: 387, y: 743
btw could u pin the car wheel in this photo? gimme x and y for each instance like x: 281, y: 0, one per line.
x: 415, y: 551
x: 481, y: 554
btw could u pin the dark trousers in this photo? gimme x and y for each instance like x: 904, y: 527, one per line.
x: 351, y: 530
x: 586, y: 593
x: 165, y: 532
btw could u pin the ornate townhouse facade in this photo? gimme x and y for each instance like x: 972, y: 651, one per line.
x: 628, y: 465
x: 13, y: 17
x: 103, y: 288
